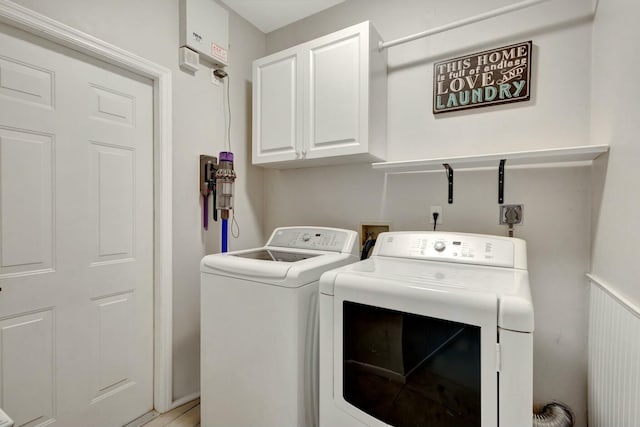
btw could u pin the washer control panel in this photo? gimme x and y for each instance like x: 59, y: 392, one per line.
x: 449, y: 247
x: 316, y: 238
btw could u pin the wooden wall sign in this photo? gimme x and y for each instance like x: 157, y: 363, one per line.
x: 495, y: 76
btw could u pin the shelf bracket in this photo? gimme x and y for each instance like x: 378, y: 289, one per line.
x: 501, y: 181
x: 449, y: 171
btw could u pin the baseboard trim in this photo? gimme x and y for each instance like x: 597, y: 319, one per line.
x: 185, y: 399
x: 140, y: 421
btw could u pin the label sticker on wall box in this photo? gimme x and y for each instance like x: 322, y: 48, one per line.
x: 495, y: 76
x: 219, y: 53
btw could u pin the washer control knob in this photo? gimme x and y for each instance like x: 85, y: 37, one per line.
x: 306, y: 237
x: 439, y: 246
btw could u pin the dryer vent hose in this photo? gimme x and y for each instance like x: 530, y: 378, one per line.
x: 553, y: 415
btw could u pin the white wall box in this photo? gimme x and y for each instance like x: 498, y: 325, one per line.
x: 204, y: 28
x: 321, y: 102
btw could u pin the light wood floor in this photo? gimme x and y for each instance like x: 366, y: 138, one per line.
x: 187, y: 415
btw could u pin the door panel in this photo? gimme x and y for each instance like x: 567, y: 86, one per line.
x: 334, y: 96
x: 113, y: 201
x: 26, y: 365
x: 26, y: 210
x: 111, y: 371
x: 76, y: 195
x: 277, y: 107
x: 112, y: 106
x: 25, y: 82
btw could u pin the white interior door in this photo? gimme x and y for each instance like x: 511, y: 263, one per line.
x: 76, y: 237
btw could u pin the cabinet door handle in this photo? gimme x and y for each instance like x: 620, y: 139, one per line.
x: 304, y: 153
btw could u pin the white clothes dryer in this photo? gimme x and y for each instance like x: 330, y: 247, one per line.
x: 434, y: 330
x: 259, y: 328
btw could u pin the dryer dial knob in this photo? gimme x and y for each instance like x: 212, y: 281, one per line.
x: 306, y: 237
x: 439, y: 246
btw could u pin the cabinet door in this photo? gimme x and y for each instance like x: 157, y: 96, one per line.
x: 336, y: 94
x: 277, y: 112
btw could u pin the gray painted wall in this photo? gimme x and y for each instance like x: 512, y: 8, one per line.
x: 614, y: 121
x: 557, y: 201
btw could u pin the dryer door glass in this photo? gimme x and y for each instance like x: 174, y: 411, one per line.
x: 411, y: 370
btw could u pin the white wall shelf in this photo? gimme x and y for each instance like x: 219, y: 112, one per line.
x: 531, y: 158
x: 534, y: 158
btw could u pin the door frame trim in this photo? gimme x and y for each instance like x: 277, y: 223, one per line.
x: 34, y: 23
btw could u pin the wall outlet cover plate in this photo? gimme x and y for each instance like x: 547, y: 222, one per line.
x: 519, y: 210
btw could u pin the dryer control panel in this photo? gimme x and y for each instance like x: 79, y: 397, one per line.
x: 316, y: 238
x: 454, y: 247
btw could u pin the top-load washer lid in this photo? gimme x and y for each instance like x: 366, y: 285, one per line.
x: 275, y: 255
x: 423, y: 271
x: 294, y: 256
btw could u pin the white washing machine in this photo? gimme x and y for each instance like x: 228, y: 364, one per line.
x: 435, y: 329
x: 259, y: 328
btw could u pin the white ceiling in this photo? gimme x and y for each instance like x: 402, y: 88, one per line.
x: 269, y: 15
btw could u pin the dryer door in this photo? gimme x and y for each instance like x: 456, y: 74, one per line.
x: 408, y: 355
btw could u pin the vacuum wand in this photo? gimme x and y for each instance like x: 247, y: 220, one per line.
x: 225, y: 177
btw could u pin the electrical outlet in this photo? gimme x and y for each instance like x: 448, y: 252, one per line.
x: 214, y: 79
x: 517, y: 211
x: 432, y: 210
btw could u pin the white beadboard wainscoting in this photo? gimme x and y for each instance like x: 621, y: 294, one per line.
x: 614, y: 358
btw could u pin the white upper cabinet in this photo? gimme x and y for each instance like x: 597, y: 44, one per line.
x: 321, y: 102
